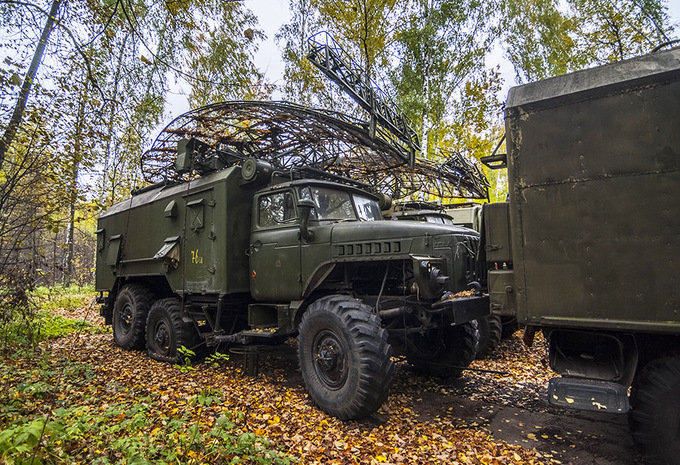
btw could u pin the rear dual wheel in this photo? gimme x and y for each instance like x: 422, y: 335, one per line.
x: 129, y: 316
x: 167, y: 333
x: 655, y: 417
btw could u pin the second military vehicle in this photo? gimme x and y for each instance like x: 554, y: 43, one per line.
x: 247, y: 254
x: 490, y: 327
x: 588, y: 246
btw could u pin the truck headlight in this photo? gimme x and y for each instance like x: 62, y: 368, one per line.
x: 429, y: 277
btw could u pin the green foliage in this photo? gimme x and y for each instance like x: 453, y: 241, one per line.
x: 216, y: 358
x: 441, y: 48
x: 364, y: 28
x: 546, y: 37
x: 48, y: 298
x: 221, y: 55
x: 303, y: 82
x: 26, y: 332
x: 53, y: 326
x: 185, y: 357
x: 121, y: 431
x: 28, y: 321
x: 616, y: 30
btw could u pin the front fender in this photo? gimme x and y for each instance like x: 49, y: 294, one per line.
x: 316, y: 278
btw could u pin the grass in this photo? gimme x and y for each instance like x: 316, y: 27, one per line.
x: 23, y: 327
x: 49, y: 298
x: 59, y: 410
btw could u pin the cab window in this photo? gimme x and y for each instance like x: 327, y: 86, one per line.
x: 275, y: 209
x: 332, y: 204
x: 367, y: 208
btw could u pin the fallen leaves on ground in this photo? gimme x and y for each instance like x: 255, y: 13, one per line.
x: 275, y: 405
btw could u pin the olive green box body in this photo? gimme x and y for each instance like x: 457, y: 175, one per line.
x: 594, y: 181
x: 207, y: 221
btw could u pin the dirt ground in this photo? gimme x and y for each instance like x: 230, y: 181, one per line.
x: 509, y: 403
x: 499, y: 405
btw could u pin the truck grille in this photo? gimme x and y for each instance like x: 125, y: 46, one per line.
x: 367, y: 248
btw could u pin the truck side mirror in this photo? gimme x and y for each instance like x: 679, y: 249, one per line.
x: 305, y: 206
x: 496, y: 161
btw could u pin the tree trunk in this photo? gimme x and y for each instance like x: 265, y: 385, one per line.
x: 18, y: 113
x: 426, y: 107
x: 426, y: 88
x: 109, y: 171
x: 73, y: 189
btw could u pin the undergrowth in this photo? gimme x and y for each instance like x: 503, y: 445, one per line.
x: 56, y: 411
x: 49, y: 298
x: 50, y: 413
x: 26, y: 317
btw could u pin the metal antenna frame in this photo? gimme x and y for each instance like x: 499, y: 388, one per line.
x: 290, y: 136
x: 327, y: 55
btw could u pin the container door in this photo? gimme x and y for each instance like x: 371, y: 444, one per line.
x: 200, y: 257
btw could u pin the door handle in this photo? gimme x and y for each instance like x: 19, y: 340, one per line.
x: 254, y: 247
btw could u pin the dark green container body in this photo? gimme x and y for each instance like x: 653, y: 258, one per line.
x: 594, y: 178
x: 205, y: 223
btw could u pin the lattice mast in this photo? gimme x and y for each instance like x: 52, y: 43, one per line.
x: 327, y: 55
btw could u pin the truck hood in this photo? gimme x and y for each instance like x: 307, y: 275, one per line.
x: 398, y: 238
x: 377, y: 230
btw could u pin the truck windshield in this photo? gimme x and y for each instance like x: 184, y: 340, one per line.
x: 439, y: 220
x: 367, y: 208
x: 338, y: 205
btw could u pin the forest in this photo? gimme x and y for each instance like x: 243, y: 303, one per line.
x: 86, y: 86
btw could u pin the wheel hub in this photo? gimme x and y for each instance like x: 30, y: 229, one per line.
x: 126, y: 317
x: 330, y: 360
x: 162, y: 337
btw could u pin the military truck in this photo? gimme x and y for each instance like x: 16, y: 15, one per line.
x: 249, y: 255
x: 466, y: 214
x: 469, y: 215
x: 490, y: 327
x: 418, y: 211
x: 588, y: 244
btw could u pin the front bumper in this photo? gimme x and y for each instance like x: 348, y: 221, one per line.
x: 464, y: 309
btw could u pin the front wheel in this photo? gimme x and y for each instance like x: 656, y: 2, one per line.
x: 444, y: 352
x: 344, y: 357
x: 167, y: 333
x: 655, y: 417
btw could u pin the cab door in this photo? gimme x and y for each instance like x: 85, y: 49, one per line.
x: 275, y: 248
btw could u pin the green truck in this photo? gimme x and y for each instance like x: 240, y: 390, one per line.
x: 251, y: 255
x: 491, y: 328
x: 588, y: 245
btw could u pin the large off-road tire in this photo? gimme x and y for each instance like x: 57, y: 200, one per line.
x: 344, y: 357
x: 129, y: 316
x: 490, y: 330
x: 445, y: 352
x: 655, y: 417
x: 166, y: 332
x: 510, y: 326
